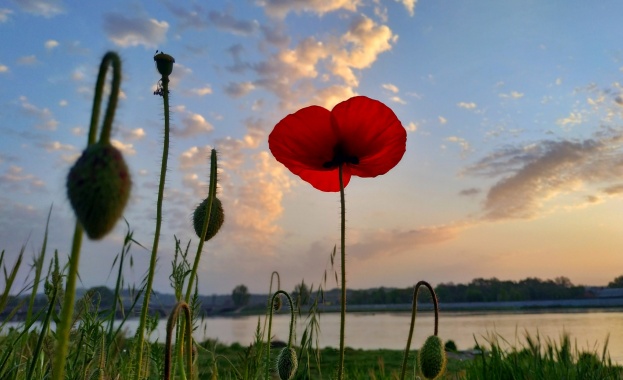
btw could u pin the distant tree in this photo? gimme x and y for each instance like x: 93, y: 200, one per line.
x: 103, y: 295
x: 616, y: 283
x: 240, y: 295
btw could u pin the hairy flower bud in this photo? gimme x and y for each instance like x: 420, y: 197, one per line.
x: 98, y: 188
x: 217, y: 217
x: 287, y: 363
x: 432, y: 357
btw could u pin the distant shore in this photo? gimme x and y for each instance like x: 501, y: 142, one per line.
x: 581, y: 304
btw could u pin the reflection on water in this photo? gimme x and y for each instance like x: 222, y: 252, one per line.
x: 588, y: 329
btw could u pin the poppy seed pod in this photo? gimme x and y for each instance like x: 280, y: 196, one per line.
x: 287, y: 363
x: 98, y: 188
x: 217, y: 217
x: 164, y: 64
x: 432, y: 357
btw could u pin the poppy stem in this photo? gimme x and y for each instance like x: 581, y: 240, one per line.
x: 413, y: 314
x: 340, y: 370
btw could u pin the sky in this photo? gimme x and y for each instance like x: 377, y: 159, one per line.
x: 513, y: 111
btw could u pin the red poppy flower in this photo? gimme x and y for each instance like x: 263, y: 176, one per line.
x: 361, y: 134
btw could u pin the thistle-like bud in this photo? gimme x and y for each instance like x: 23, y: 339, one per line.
x: 217, y: 217
x: 432, y: 358
x: 98, y: 188
x: 287, y: 363
x: 164, y: 63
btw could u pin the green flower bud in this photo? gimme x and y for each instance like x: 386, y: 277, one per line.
x: 287, y: 363
x: 432, y: 357
x: 164, y: 63
x: 217, y: 217
x: 98, y: 188
x: 278, y: 303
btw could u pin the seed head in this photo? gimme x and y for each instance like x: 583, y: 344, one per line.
x: 164, y: 63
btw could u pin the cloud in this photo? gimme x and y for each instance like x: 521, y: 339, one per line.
x: 193, y: 124
x: 361, y: 45
x: 14, y: 179
x: 237, y: 90
x: 411, y: 127
x: 188, y: 18
x: 4, y: 69
x: 442, y: 120
x: 537, y: 173
x: 377, y: 243
x: 397, y: 99
x: 409, y: 6
x: 470, y: 192
x: 467, y: 106
x: 50, y: 44
x: 4, y: 15
x: 133, y: 134
x: 280, y: 8
x: 27, y: 60
x: 133, y: 31
x: 465, y: 146
x: 573, y: 119
x: 45, y: 8
x: 124, y: 148
x: 201, y: 91
x: 512, y: 95
x: 227, y: 22
x: 43, y: 115
x: 390, y: 87
x: 297, y: 74
x: 54, y: 146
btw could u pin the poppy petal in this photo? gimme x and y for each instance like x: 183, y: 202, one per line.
x: 304, y: 140
x: 370, y: 131
x: 326, y: 180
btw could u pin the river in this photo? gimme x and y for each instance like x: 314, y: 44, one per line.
x: 588, y: 329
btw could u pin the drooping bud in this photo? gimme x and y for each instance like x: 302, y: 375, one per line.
x: 432, y: 357
x: 98, y: 188
x: 277, y: 303
x: 287, y: 363
x: 217, y: 217
x: 164, y: 63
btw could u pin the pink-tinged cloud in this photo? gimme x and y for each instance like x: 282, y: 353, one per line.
x: 534, y: 174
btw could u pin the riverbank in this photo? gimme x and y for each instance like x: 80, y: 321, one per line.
x: 580, y: 304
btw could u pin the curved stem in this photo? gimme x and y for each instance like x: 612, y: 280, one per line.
x: 270, y: 324
x: 413, y: 314
x: 206, y: 222
x: 189, y: 346
x: 154, y: 250
x: 340, y: 370
x: 270, y: 291
x: 67, y: 310
x: 113, y: 58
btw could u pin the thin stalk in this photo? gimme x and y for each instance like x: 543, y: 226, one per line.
x: 189, y: 346
x: 38, y: 264
x: 413, y: 314
x: 270, y: 324
x: 67, y: 310
x: 206, y: 222
x: 154, y: 251
x: 340, y: 369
